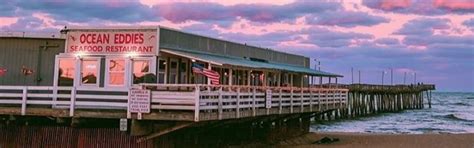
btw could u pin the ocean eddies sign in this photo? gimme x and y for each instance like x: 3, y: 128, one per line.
x: 113, y: 41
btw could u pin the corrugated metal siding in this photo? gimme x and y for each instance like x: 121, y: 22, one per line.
x: 67, y: 137
x: 18, y: 52
x: 172, y: 39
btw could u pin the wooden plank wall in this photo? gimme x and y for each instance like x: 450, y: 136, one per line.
x: 18, y: 52
x: 67, y: 137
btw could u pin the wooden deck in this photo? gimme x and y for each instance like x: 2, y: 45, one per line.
x: 172, y: 102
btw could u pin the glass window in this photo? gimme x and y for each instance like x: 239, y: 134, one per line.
x: 66, y: 72
x: 161, y: 71
x: 140, y: 69
x: 183, y: 72
x: 89, y: 71
x: 173, y: 73
x: 117, y: 72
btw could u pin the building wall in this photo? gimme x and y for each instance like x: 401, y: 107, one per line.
x: 176, y: 39
x: 18, y: 52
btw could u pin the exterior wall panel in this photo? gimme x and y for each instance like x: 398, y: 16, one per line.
x: 19, y: 52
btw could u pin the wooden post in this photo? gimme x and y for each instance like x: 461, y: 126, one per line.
x: 429, y: 100
x: 319, y: 99
x: 311, y: 98
x: 238, y: 103
x: 279, y: 79
x: 231, y: 79
x: 196, y: 103
x: 73, y: 102
x: 280, y: 101
x: 23, y: 100
x: 248, y: 77
x: 253, y: 101
x: 291, y: 100
x: 220, y: 104
x: 291, y: 80
x: 210, y: 68
x: 301, y: 100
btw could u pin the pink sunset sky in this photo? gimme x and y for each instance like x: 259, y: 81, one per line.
x: 434, y: 38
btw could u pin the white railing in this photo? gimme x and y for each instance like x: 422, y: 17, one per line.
x: 62, y: 97
x: 205, y: 102
x: 226, y: 102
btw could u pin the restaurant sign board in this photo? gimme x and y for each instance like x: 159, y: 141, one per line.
x: 113, y: 41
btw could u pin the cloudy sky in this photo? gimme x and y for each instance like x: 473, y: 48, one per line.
x: 434, y: 38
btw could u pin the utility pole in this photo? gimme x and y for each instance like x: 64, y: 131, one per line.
x: 359, y: 77
x: 404, y: 78
x: 352, y: 75
x: 391, y: 76
x: 383, y: 76
x: 414, y: 79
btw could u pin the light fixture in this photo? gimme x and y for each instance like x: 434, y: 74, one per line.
x: 79, y: 55
x: 131, y: 54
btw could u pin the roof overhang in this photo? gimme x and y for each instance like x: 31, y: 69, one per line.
x: 222, y: 60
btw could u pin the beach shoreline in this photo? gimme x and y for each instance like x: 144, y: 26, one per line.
x: 382, y: 140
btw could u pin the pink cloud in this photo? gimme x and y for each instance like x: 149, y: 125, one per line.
x: 454, y: 4
x: 7, y: 21
x: 391, y: 4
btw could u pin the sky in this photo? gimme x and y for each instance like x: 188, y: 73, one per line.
x: 432, y: 38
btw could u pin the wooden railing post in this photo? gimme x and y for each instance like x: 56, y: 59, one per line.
x: 291, y: 100
x: 271, y: 97
x: 55, y: 96
x: 302, y: 100
x: 280, y: 107
x: 253, y: 101
x: 333, y: 92
x: 73, y: 102
x: 197, y: 97
x: 220, y: 103
x: 237, y: 111
x: 311, y: 97
x: 23, y: 100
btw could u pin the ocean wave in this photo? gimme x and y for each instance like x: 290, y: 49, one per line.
x: 462, y: 104
x: 469, y: 97
x: 460, y: 116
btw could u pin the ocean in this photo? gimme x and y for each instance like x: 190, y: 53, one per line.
x: 450, y: 113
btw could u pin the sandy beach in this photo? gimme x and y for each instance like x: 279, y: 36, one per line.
x: 363, y: 140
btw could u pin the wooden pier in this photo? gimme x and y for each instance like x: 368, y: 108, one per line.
x: 366, y: 99
x: 204, y: 115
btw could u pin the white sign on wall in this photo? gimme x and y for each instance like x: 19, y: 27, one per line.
x: 268, y: 98
x: 123, y: 125
x: 139, y: 101
x: 113, y: 41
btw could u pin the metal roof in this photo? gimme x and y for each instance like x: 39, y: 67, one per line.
x: 223, y: 60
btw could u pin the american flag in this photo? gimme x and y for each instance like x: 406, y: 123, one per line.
x: 210, y: 74
x: 2, y: 71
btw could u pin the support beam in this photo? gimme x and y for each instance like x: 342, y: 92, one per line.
x: 165, y: 131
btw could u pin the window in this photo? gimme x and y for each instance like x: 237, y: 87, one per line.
x: 89, y: 72
x: 116, y: 72
x: 66, y: 72
x: 173, y: 72
x: 183, y: 72
x: 140, y: 69
x: 161, y: 71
